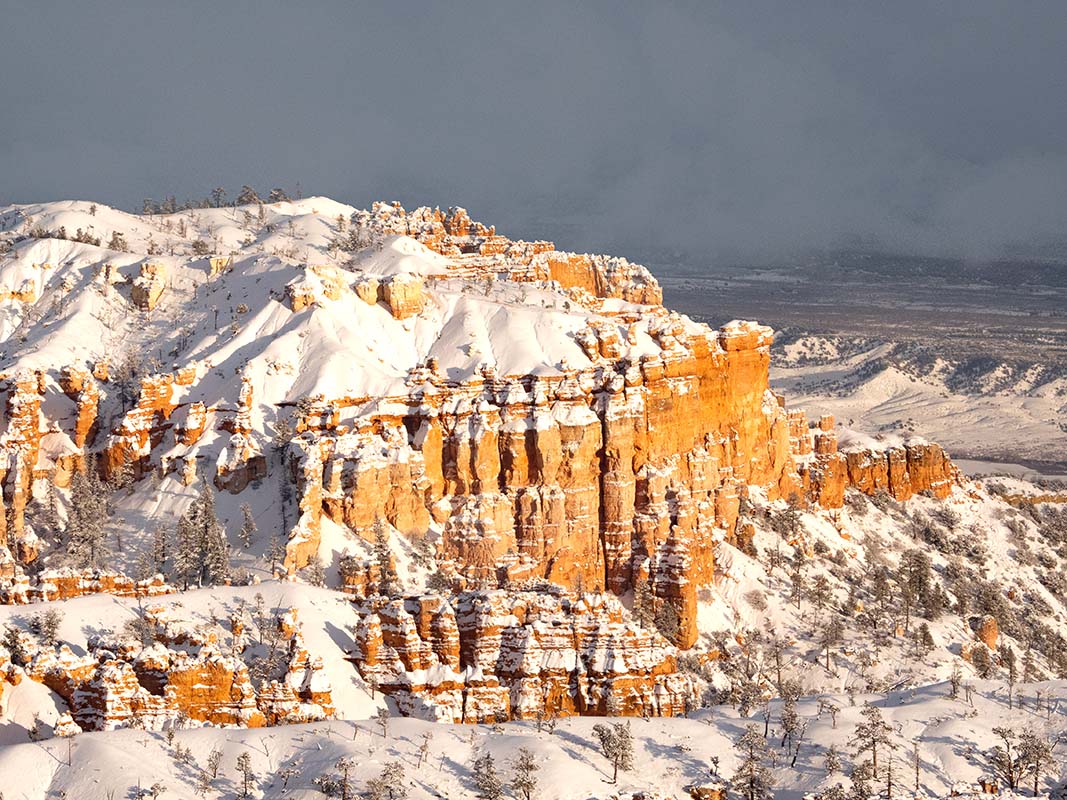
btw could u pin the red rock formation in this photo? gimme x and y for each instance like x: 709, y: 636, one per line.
x: 142, y: 427
x: 21, y: 442
x: 80, y: 386
x: 496, y: 655
x: 471, y: 244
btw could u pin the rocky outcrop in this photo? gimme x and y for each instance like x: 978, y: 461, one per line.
x: 63, y: 584
x: 494, y: 656
x: 403, y: 294
x: 81, y: 387
x: 182, y: 675
x: 605, y: 441
x: 147, y: 288
x: 142, y: 427
x: 468, y: 243
x: 319, y: 284
x: 903, y: 470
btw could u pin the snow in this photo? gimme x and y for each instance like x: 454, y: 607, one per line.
x: 670, y: 754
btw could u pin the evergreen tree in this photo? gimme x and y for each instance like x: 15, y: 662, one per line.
x: 390, y: 785
x: 486, y: 778
x: 202, y: 554
x: 643, y: 611
x: 275, y: 553
x: 248, y: 777
x: 617, y: 744
x: 85, y: 521
x: 247, y: 196
x: 1004, y: 759
x: 118, y: 243
x: 248, y: 526
x: 1035, y: 757
x: 388, y: 580
x: 668, y: 622
x: 752, y: 778
x: 524, y: 784
x: 160, y: 548
x: 832, y: 762
x: 790, y: 720
x: 872, y: 735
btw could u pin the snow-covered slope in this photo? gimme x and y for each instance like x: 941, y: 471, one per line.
x: 989, y: 410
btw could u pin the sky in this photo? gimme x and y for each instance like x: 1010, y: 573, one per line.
x: 751, y: 130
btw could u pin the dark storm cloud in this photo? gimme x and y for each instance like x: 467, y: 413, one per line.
x: 736, y: 129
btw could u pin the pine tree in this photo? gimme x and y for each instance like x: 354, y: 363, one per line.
x: 668, y: 622
x: 643, y: 612
x: 790, y: 720
x: 85, y: 521
x: 247, y: 196
x: 954, y: 681
x: 390, y: 785
x: 832, y: 762
x: 1035, y: 757
x: 248, y: 777
x: 1007, y: 658
x: 160, y: 548
x: 46, y: 626
x: 486, y: 778
x: 1003, y: 758
x: 344, y: 766
x: 388, y: 580
x: 275, y: 553
x: 872, y: 735
x: 752, y: 778
x: 186, y: 563
x: 861, y: 777
x: 830, y: 636
x: 617, y: 745
x: 524, y: 784
x: 248, y: 526
x: 202, y: 554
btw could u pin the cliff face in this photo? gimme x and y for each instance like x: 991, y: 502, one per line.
x: 536, y: 413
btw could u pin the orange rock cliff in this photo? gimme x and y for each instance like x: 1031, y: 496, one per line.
x: 628, y: 466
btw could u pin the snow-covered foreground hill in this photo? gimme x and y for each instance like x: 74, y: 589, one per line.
x: 951, y: 735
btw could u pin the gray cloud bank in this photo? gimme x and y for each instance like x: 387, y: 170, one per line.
x: 734, y: 130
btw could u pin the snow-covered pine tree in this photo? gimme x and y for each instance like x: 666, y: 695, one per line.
x: 617, y: 745
x: 643, y: 607
x: 85, y: 520
x: 248, y: 526
x: 1035, y: 757
x: 390, y: 785
x: 202, y: 553
x: 752, y: 779
x: 186, y: 561
x: 275, y: 553
x: 524, y: 782
x: 388, y: 580
x: 872, y: 735
x: 248, y: 775
x: 487, y: 779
